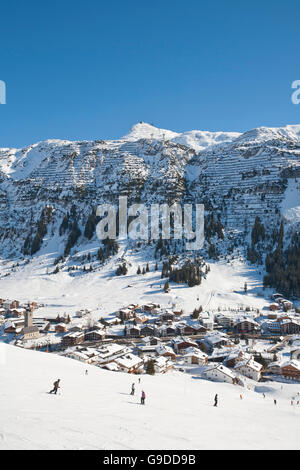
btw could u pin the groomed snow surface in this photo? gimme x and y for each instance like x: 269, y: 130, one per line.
x: 96, y: 411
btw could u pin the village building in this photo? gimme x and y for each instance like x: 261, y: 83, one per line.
x: 246, y: 325
x: 149, y: 330
x: 167, y: 330
x: 249, y: 368
x: 129, y: 363
x: 180, y: 344
x: 195, y: 356
x: 30, y: 331
x: 94, y: 335
x: 110, y: 352
x: 166, y: 351
x: 60, y: 328
x: 14, y: 325
x: 162, y: 364
x: 219, y: 373
x: 132, y: 331
x: 289, y: 327
x: 212, y: 340
x: 72, y: 338
x: 295, y: 353
x: 291, y: 370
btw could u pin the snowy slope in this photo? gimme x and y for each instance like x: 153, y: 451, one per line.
x: 95, y: 411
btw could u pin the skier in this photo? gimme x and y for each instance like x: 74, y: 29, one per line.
x: 216, y: 400
x: 241, y: 396
x: 143, y: 397
x: 55, y: 387
x: 86, y: 372
x: 275, y: 402
x: 139, y: 380
x: 132, y: 389
x: 264, y: 395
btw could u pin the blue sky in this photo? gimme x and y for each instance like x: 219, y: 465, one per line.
x: 88, y: 70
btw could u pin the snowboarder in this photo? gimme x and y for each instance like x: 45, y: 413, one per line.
x: 216, y: 400
x: 132, y: 389
x: 143, y: 397
x: 55, y: 387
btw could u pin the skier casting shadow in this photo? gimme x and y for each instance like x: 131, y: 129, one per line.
x: 55, y: 387
x: 216, y: 400
x: 143, y: 398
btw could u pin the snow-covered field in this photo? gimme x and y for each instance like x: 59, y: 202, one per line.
x: 104, y: 292
x: 96, y: 411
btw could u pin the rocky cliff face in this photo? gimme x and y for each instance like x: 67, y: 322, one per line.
x: 237, y: 176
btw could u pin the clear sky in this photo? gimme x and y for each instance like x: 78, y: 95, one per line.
x: 92, y: 69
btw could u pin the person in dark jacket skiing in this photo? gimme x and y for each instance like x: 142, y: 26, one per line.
x: 55, y: 387
x: 143, y: 397
x: 216, y: 400
x: 132, y: 389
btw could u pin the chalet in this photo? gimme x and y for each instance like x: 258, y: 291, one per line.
x: 16, y: 312
x: 226, y: 321
x: 212, y: 340
x: 274, y: 368
x: 150, y: 307
x: 60, y: 328
x: 167, y: 330
x: 149, y: 344
x: 14, y: 325
x: 289, y: 327
x: 126, y: 313
x: 149, y: 330
x: 235, y: 355
x: 207, y: 320
x: 162, y: 364
x: 295, y: 354
x: 110, y: 352
x: 291, y: 370
x: 219, y: 373
x: 129, y: 363
x: 246, y: 325
x: 187, y: 330
x: 165, y: 351
x: 133, y: 331
x: 86, y: 355
x: 167, y: 315
x: 151, y: 340
x: 111, y: 321
x: 94, y: 335
x: 73, y: 338
x: 180, y: 344
x: 249, y: 368
x: 195, y: 356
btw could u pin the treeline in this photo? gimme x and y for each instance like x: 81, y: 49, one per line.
x: 283, y: 266
x: 189, y: 273
x: 33, y: 242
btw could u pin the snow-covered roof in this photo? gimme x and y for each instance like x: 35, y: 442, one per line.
x: 129, y: 360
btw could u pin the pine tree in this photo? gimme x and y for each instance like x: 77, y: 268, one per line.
x: 150, y: 369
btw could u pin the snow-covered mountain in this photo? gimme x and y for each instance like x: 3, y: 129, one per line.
x: 238, y: 176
